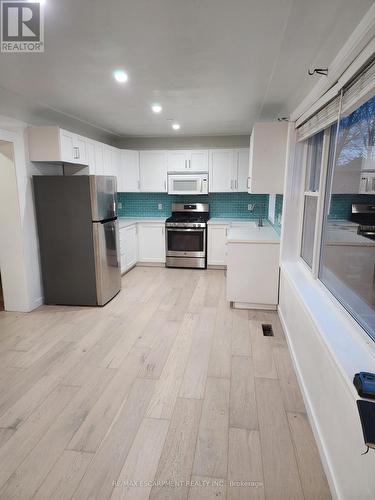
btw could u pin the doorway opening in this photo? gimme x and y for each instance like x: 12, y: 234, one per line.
x: 9, y: 210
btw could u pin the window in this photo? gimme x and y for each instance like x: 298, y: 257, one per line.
x: 338, y: 226
x: 314, y: 162
x: 314, y: 149
x: 308, y: 232
x: 347, y: 264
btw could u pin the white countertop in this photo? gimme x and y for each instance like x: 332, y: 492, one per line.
x: 227, y: 220
x: 129, y: 221
x: 252, y: 233
x: 343, y: 232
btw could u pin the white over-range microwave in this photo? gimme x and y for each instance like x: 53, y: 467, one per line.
x: 191, y: 183
x: 367, y: 185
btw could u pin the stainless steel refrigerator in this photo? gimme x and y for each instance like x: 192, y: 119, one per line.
x: 78, y: 238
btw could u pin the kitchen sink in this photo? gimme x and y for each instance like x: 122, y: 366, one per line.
x: 246, y: 224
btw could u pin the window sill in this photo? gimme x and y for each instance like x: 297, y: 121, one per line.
x: 351, y: 349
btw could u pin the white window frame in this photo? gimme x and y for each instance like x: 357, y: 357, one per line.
x: 320, y: 195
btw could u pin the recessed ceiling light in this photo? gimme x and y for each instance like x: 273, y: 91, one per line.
x: 176, y: 126
x: 120, y: 76
x: 156, y: 108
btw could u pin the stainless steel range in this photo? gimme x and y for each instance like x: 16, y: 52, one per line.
x: 364, y: 215
x: 186, y: 235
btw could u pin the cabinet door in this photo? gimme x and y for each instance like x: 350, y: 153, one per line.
x: 129, y: 168
x: 178, y: 160
x: 242, y: 160
x: 107, y: 160
x: 115, y: 166
x: 222, y: 165
x: 151, y: 243
x: 131, y: 247
x: 80, y: 149
x: 90, y: 151
x: 268, y: 146
x: 153, y: 171
x: 217, y: 238
x: 253, y: 284
x: 99, y: 158
x: 198, y: 161
x: 128, y: 247
x: 68, y: 153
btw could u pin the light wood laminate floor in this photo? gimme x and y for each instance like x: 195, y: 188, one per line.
x: 165, y: 393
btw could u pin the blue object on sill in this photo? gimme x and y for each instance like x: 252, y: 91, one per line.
x: 364, y: 382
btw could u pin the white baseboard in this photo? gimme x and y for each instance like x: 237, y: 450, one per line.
x: 150, y: 264
x: 248, y: 305
x: 312, y: 416
x: 25, y: 308
x: 37, y: 303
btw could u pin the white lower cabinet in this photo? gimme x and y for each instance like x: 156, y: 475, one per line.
x: 128, y: 247
x: 216, y: 249
x: 151, y: 242
x: 253, y: 275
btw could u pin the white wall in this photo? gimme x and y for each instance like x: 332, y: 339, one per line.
x: 20, y: 266
x: 328, y: 347
x: 182, y: 142
x: 12, y: 265
x: 326, y: 385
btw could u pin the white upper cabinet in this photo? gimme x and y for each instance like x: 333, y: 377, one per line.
x: 146, y: 171
x: 198, y: 161
x: 80, y: 149
x: 112, y: 164
x: 222, y: 169
x: 195, y: 160
x: 130, y: 182
x: 90, y: 155
x: 107, y: 160
x: 268, y: 145
x: 99, y: 158
x: 53, y: 144
x: 178, y: 160
x: 228, y: 170
x: 242, y: 162
x: 153, y: 171
x: 116, y: 167
x: 68, y: 153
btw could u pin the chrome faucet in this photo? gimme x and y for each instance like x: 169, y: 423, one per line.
x: 251, y: 207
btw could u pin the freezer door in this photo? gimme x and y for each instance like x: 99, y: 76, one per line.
x: 103, y: 197
x: 107, y: 260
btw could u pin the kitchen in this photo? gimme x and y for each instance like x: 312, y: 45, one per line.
x: 220, y: 178
x: 187, y: 252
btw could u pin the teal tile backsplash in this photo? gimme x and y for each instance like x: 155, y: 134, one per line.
x: 341, y: 204
x: 226, y: 204
x: 221, y: 204
x: 278, y: 212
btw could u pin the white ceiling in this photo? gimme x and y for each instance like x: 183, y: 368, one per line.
x: 215, y: 66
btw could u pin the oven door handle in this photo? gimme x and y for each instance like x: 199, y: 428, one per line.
x: 196, y: 230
